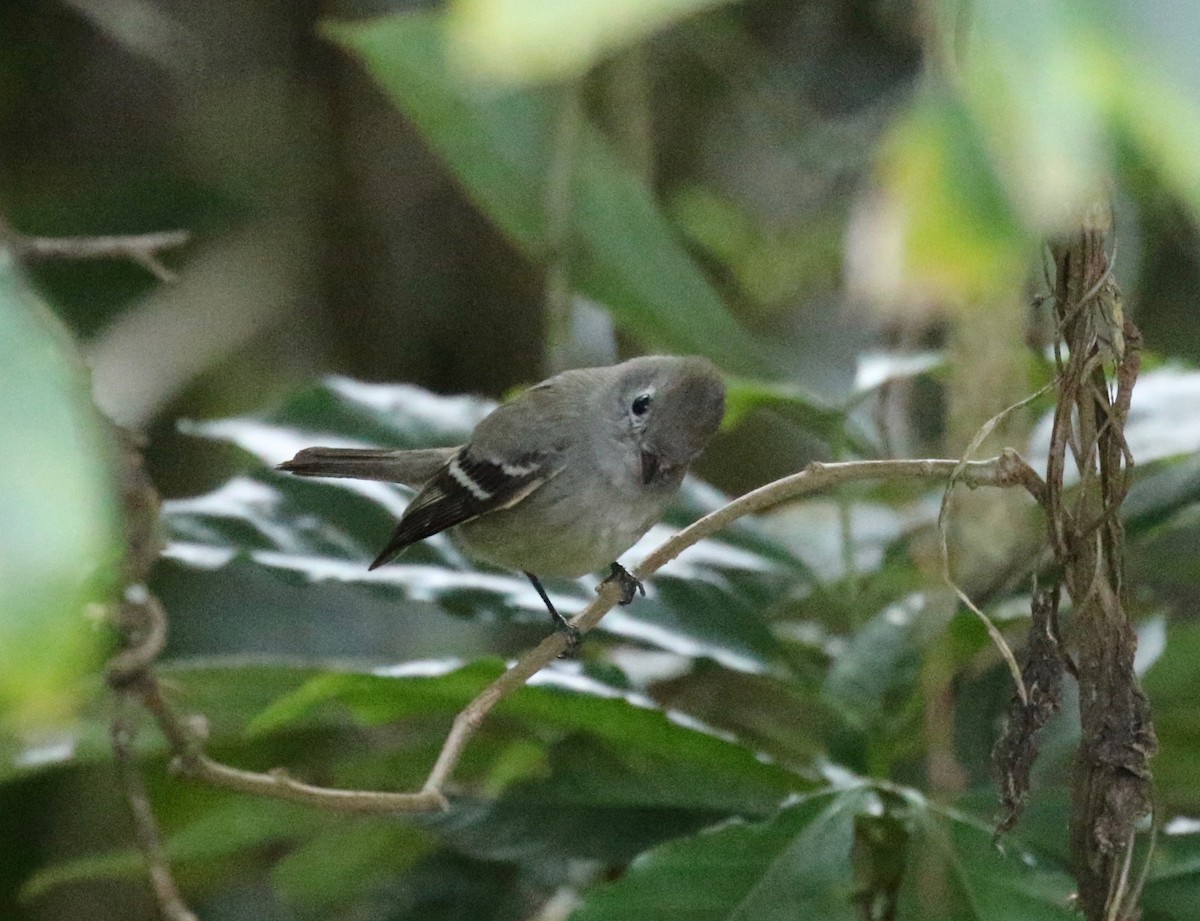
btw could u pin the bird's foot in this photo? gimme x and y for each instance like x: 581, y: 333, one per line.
x: 624, y: 580
x: 561, y: 625
x: 574, y: 637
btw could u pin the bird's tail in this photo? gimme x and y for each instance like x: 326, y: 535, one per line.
x: 410, y: 468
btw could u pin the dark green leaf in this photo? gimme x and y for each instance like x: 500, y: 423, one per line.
x: 1171, y: 683
x: 957, y: 873
x: 597, y: 802
x: 233, y: 826
x: 873, y: 679
x: 1160, y: 491
x: 342, y: 864
x: 808, y: 412
x: 794, y: 865
x: 498, y: 144
x: 559, y: 700
x: 1173, y: 889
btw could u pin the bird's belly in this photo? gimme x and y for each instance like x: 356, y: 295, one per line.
x: 559, y: 536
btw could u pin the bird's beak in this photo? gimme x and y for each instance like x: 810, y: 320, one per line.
x: 649, y: 467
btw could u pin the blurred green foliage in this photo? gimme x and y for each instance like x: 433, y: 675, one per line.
x: 59, y: 547
x: 796, y: 721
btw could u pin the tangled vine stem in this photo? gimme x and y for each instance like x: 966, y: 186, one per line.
x: 186, y: 740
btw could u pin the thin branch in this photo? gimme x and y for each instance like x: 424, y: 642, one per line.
x: 993, y: 632
x: 144, y: 626
x: 279, y: 785
x: 145, y: 828
x: 131, y: 674
x: 142, y: 248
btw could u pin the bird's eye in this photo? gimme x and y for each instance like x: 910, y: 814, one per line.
x: 641, y: 403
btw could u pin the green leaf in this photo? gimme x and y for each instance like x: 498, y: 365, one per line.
x: 527, y: 41
x: 1171, y: 684
x: 227, y: 693
x: 498, y: 143
x: 447, y: 886
x: 772, y: 266
x: 1159, y: 491
x: 59, y: 545
x: 874, y: 683
x: 706, y: 603
x: 812, y: 414
x: 1047, y: 99
x: 873, y: 680
x: 783, y: 716
x: 1030, y: 77
x: 1173, y: 889
x: 232, y: 826
x: 794, y: 865
x: 596, y: 802
x: 339, y: 866
x: 555, y: 700
x: 957, y: 872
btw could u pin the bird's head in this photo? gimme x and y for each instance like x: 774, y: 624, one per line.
x: 672, y: 408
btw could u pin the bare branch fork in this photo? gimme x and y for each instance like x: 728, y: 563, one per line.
x: 132, y: 672
x: 143, y: 248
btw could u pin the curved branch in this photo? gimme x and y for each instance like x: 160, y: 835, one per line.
x: 131, y: 674
x: 1007, y: 470
x: 145, y: 828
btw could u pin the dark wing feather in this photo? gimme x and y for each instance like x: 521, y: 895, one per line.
x: 463, y: 489
x: 410, y: 467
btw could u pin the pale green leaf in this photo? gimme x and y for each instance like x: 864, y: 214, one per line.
x: 525, y: 41
x: 59, y: 545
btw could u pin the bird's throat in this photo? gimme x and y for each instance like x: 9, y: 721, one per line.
x: 650, y: 467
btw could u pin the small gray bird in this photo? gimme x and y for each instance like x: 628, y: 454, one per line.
x: 559, y: 481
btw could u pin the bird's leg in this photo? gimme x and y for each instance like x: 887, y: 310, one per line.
x: 629, y: 584
x: 561, y: 624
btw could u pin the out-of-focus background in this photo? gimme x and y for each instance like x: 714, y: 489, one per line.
x: 841, y: 202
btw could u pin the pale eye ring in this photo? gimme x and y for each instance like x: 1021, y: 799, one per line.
x: 641, y: 404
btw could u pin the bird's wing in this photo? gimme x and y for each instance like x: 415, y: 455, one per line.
x: 469, y: 485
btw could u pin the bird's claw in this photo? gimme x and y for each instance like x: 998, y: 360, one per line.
x: 574, y: 638
x: 628, y: 584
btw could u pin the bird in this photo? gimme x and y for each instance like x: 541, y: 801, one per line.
x: 558, y: 481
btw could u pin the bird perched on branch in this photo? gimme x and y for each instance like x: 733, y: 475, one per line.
x: 560, y: 480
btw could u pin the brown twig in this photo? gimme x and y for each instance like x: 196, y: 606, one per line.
x: 145, y: 828
x: 132, y: 672
x: 997, y: 638
x: 142, y: 248
x: 145, y: 628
